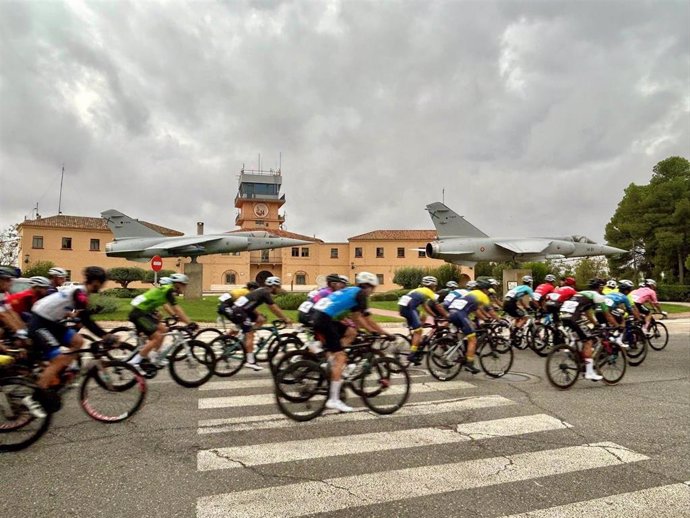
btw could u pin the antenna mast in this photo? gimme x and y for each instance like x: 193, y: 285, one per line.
x: 62, y: 177
x: 443, y: 195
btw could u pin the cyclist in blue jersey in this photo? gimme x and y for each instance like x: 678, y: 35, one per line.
x: 328, y: 315
x: 517, y: 301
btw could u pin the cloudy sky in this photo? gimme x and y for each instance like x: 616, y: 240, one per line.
x: 532, y: 115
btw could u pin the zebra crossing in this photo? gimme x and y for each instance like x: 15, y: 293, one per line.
x: 450, y: 437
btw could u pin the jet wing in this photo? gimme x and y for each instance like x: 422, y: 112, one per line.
x: 524, y: 246
x: 184, y: 242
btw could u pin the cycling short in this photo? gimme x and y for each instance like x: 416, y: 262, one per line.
x: 329, y: 331
x: 601, y: 318
x: 146, y: 323
x: 644, y: 310
x: 245, y: 320
x: 510, y: 306
x: 579, y: 327
x: 412, y: 317
x: 48, y: 336
x: 462, y: 321
x: 306, y: 319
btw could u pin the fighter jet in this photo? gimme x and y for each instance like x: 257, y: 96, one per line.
x: 462, y: 243
x: 137, y: 242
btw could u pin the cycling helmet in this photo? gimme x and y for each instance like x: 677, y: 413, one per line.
x: 224, y: 297
x: 273, y: 281
x: 625, y: 286
x: 569, y: 281
x: 94, y: 273
x: 252, y: 285
x: 550, y: 278
x: 164, y: 281
x: 57, y: 272
x: 366, y: 278
x: 333, y: 277
x: 493, y: 282
x: 452, y: 285
x: 471, y: 285
x: 611, y: 283
x: 483, y: 285
x: 429, y: 280
x: 344, y: 279
x: 527, y: 279
x: 595, y: 284
x: 39, y: 282
x: 179, y: 278
x: 7, y: 272
x: 650, y: 283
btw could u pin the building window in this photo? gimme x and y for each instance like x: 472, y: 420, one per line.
x: 305, y: 252
x: 334, y: 253
x: 69, y: 275
x: 260, y: 223
x: 66, y: 243
x: 95, y: 245
x: 401, y: 253
x: 265, y: 256
x: 295, y: 251
x: 235, y: 254
x: 37, y: 242
x: 230, y: 277
x: 358, y: 253
x: 379, y: 252
x: 300, y: 278
x: 421, y: 254
x: 379, y: 276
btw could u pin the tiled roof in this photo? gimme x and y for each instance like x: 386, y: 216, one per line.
x: 397, y: 235
x: 279, y: 233
x: 87, y: 223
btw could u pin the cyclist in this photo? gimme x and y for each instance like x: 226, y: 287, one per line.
x: 9, y: 320
x: 463, y: 310
x: 611, y: 287
x: 493, y: 293
x: 646, y: 294
x: 441, y: 294
x: 228, y: 299
x: 541, y: 291
x: 48, y: 332
x: 305, y: 312
x: 619, y: 303
x: 57, y: 277
x: 244, y: 314
x: 145, y: 317
x: 577, y: 311
x: 425, y: 297
x: 335, y: 335
x: 164, y: 281
x: 558, y: 296
x: 517, y: 302
x: 22, y: 301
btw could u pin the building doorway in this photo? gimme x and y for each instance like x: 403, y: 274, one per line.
x: 262, y: 276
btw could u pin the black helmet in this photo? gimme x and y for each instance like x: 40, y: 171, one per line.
x: 94, y: 273
x: 595, y: 284
x: 333, y: 277
x: 483, y: 285
x: 8, y: 272
x: 252, y: 285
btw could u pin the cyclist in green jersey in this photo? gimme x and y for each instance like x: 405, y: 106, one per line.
x: 146, y: 319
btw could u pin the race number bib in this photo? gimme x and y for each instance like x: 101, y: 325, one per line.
x: 322, y: 304
x: 404, y: 300
x: 241, y: 302
x: 536, y: 297
x: 305, y: 307
x: 458, y: 304
x: 569, y: 306
x: 137, y: 300
x: 552, y: 296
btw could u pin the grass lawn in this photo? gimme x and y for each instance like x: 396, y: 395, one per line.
x: 204, y: 310
x: 674, y: 308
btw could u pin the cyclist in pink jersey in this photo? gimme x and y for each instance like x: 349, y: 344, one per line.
x: 646, y: 294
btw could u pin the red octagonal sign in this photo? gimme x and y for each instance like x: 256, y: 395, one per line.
x: 156, y: 263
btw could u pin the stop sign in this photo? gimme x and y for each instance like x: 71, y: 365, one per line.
x: 156, y: 263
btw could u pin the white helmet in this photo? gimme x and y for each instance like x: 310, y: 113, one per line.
x: 39, y: 282
x: 611, y: 284
x: 452, y: 285
x: 550, y: 278
x: 429, y: 280
x: 224, y: 297
x: 344, y: 279
x: 493, y: 281
x: 649, y: 282
x: 366, y: 278
x: 179, y: 278
x: 164, y: 280
x: 527, y: 279
x: 57, y: 272
x: 273, y: 281
x: 471, y: 285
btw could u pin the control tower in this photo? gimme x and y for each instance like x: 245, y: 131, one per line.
x: 259, y: 200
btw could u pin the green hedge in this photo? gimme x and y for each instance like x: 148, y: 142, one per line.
x: 290, y: 301
x: 123, y: 293
x: 389, y: 295
x: 103, y: 303
x: 673, y: 292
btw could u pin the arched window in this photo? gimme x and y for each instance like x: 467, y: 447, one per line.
x: 300, y: 278
x: 230, y: 277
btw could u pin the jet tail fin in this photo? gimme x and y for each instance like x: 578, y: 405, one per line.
x: 450, y: 224
x: 123, y: 227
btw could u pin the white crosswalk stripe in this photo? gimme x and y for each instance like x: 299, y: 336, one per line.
x: 377, y: 488
x: 254, y: 455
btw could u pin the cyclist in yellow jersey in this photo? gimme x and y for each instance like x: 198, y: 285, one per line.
x: 611, y: 287
x: 227, y: 301
x: 409, y: 304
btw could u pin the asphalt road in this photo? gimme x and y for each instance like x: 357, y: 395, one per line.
x: 471, y: 447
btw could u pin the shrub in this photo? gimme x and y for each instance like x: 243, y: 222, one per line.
x: 103, y: 304
x: 389, y: 295
x: 38, y: 268
x: 290, y: 301
x: 123, y: 293
x: 410, y: 277
x: 673, y: 292
x: 149, y: 276
x: 123, y: 276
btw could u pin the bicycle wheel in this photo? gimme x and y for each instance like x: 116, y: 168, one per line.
x: 637, y: 347
x: 230, y: 355
x: 128, y: 340
x: 541, y: 340
x: 385, y: 385
x: 192, y: 363
x: 444, y: 359
x: 495, y: 356
x: 659, y: 336
x: 294, y: 357
x: 399, y: 348
x: 611, y: 365
x: 301, y: 390
x: 18, y: 428
x: 285, y: 345
x: 563, y: 367
x: 112, y: 391
x: 207, y: 335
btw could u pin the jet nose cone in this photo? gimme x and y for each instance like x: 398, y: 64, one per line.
x: 612, y: 250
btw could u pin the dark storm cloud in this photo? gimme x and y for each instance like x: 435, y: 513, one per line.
x: 532, y: 115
